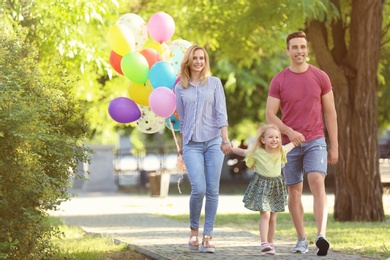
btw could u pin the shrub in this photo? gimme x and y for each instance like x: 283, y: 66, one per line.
x: 41, y: 134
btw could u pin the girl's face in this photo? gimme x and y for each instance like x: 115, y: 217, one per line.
x: 198, y: 61
x: 271, y: 139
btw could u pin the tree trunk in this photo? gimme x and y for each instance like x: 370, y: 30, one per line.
x: 353, y: 71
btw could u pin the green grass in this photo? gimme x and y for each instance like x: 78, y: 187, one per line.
x: 76, y: 244
x: 366, y: 239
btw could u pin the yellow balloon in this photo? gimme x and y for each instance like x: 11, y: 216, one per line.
x: 150, y: 43
x: 121, y: 39
x: 140, y: 93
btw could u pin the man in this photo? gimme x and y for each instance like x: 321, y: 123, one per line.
x: 304, y: 95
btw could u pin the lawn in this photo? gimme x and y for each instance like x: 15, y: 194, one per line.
x: 76, y: 244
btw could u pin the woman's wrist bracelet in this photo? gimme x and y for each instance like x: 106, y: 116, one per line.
x: 228, y: 142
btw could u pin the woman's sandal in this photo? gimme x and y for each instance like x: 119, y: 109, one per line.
x: 207, y: 245
x: 193, y: 243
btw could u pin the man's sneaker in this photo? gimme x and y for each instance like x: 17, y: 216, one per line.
x: 301, y: 247
x: 272, y: 251
x: 265, y: 247
x: 322, y: 245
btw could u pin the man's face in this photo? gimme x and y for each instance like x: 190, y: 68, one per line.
x: 298, y: 50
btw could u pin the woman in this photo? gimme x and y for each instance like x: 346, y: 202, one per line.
x: 201, y: 107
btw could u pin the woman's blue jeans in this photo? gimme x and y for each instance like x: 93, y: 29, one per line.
x: 204, y: 165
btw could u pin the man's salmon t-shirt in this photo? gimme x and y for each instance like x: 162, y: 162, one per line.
x: 300, y: 100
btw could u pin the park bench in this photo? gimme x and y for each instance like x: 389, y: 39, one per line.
x: 132, y: 166
x: 384, y: 162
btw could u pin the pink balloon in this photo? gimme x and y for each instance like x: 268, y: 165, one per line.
x: 162, y: 102
x: 161, y: 27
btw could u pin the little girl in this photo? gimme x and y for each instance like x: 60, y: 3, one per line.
x: 267, y: 190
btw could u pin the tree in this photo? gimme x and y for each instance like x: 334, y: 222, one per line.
x: 42, y: 132
x: 349, y: 53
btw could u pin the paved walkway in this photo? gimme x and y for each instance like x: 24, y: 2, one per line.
x: 135, y: 220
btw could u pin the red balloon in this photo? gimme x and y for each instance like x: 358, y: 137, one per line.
x: 177, y: 80
x: 115, y: 61
x: 151, y: 55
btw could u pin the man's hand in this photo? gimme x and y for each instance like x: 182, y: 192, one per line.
x: 333, y: 156
x: 296, y: 137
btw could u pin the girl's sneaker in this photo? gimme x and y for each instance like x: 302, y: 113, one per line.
x: 272, y: 251
x: 265, y: 247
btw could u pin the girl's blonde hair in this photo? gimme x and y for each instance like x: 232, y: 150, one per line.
x: 259, y: 144
x: 185, y: 66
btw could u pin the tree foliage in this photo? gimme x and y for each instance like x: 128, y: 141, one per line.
x: 41, y: 130
x: 76, y: 31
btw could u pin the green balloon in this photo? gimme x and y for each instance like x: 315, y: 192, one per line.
x: 135, y: 67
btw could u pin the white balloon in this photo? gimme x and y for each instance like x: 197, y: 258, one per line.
x: 138, y: 27
x: 149, y: 122
x: 174, y: 53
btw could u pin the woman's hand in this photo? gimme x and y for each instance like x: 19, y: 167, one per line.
x: 227, y: 148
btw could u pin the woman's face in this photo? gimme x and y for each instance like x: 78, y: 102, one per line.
x: 198, y: 61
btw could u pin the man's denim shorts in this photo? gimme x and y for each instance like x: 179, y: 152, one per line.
x: 308, y: 157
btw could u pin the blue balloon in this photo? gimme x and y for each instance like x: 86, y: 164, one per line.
x: 162, y: 74
x: 175, y: 123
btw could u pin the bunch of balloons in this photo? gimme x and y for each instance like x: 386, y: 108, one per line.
x: 152, y: 66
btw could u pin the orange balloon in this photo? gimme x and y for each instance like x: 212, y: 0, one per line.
x: 151, y: 55
x: 176, y: 114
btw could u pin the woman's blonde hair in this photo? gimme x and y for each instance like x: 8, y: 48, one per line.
x: 258, y: 142
x: 185, y: 66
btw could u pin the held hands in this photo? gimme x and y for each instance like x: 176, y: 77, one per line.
x: 226, y: 148
x: 296, y: 138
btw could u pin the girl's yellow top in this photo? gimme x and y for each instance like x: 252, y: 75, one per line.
x: 267, y: 164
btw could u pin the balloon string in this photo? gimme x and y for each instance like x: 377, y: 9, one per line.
x: 174, y: 136
x: 178, y: 182
x: 178, y: 150
x: 163, y: 49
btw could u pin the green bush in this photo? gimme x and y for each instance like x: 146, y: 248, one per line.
x: 41, y: 133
